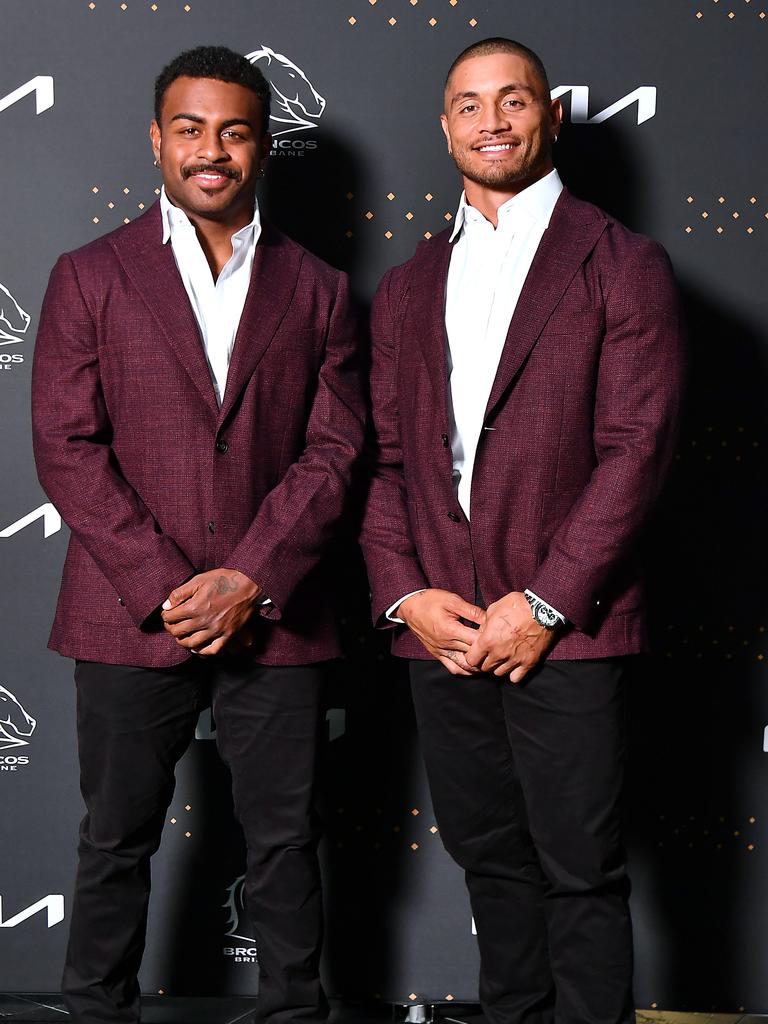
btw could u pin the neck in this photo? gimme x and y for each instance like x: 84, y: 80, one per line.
x: 215, y: 237
x: 487, y: 199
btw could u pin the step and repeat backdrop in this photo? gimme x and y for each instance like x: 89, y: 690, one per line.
x: 665, y: 129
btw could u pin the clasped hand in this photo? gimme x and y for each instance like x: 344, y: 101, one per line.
x: 505, y: 639
x: 212, y: 611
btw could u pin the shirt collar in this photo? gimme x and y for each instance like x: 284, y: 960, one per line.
x: 174, y: 218
x: 537, y: 201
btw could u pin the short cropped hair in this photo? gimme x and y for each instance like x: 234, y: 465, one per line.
x: 498, y: 44
x: 217, y: 62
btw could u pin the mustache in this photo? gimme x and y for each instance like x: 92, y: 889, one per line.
x: 228, y: 172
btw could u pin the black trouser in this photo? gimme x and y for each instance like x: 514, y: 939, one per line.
x: 133, y: 726
x: 526, y: 783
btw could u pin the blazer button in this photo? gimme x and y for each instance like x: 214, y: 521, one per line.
x: 211, y: 527
x: 445, y: 439
x: 121, y: 601
x: 454, y: 517
x: 222, y: 446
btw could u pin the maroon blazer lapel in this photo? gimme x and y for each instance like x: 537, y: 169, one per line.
x: 572, y: 234
x: 152, y: 269
x: 427, y: 319
x: 273, y: 282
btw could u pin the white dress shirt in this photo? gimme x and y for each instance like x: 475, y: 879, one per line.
x: 217, y: 305
x: 485, y: 277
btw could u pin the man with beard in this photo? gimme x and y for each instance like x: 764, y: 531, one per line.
x: 526, y: 384
x: 197, y: 413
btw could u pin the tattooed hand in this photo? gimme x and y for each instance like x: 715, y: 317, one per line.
x: 211, y: 610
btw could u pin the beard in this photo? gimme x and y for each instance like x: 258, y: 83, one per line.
x: 504, y: 173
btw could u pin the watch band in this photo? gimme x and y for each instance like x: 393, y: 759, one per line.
x: 545, y: 614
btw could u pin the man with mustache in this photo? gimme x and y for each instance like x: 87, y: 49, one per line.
x: 526, y: 385
x: 197, y: 414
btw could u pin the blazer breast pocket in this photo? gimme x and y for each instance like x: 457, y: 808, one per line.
x: 294, y: 355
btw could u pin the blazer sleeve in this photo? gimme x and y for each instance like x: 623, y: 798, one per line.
x: 296, y: 520
x: 394, y: 570
x: 75, y: 463
x: 637, y: 407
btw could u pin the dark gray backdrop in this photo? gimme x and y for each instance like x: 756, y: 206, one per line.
x: 360, y: 184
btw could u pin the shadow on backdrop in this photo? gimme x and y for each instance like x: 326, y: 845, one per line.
x: 696, y: 722
x: 693, y: 715
x: 313, y: 208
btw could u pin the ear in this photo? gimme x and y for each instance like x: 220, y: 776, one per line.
x: 154, y: 137
x: 446, y: 132
x: 555, y: 116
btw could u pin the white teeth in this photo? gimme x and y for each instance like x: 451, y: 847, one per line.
x: 495, y: 149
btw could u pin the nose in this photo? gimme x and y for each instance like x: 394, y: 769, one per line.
x: 210, y: 147
x: 494, y: 119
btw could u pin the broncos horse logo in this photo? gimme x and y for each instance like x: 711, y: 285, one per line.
x: 12, y: 318
x: 294, y: 97
x: 14, y: 721
x: 235, y: 906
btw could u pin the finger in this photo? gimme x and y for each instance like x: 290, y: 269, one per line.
x: 197, y: 640
x: 458, y: 658
x: 453, y: 668
x: 450, y: 643
x: 519, y: 674
x: 477, y: 652
x: 461, y: 661
x: 505, y: 667
x: 449, y: 635
x: 492, y: 661
x: 213, y: 648
x: 458, y: 631
x: 180, y: 594
x: 184, y: 628
x: 467, y: 611
x: 186, y: 610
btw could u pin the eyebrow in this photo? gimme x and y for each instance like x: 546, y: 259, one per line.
x: 201, y: 120
x: 511, y: 87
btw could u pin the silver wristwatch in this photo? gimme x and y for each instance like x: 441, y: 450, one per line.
x: 546, y: 616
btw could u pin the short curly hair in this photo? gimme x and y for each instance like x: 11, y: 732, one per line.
x: 217, y: 62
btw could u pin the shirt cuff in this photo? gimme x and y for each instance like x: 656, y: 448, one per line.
x: 537, y: 602
x: 390, y: 612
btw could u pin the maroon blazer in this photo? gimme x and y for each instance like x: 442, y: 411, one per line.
x: 155, y: 481
x: 577, y: 437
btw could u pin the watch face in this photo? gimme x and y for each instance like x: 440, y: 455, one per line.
x: 546, y: 617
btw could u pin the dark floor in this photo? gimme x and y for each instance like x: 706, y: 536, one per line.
x: 167, y: 1010
x: 240, y: 1010
x: 156, y: 1010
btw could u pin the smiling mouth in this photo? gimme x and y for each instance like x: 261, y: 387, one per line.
x: 210, y: 179
x: 210, y: 175
x: 496, y: 147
